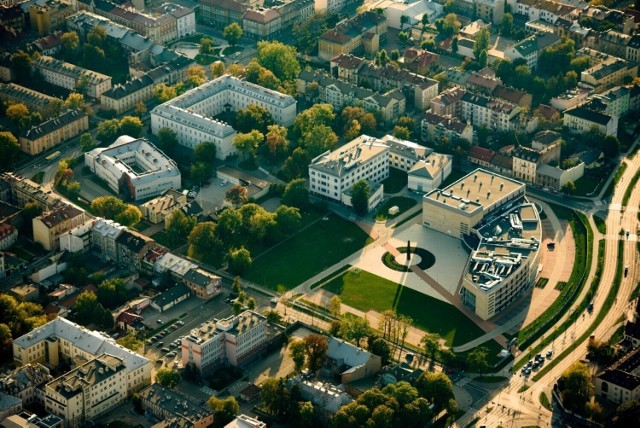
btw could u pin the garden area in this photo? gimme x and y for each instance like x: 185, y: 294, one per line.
x: 401, y: 202
x: 314, y: 249
x: 364, y: 291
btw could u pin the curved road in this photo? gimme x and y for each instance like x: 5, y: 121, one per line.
x: 508, y: 406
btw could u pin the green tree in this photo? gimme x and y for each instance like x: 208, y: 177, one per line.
x: 86, y: 141
x: 477, y: 360
x: 206, y: 46
x: 296, y: 194
x: 569, y: 188
x: 355, y: 329
x: 401, y: 132
x: 275, y: 396
x: 224, y: 410
x: 196, y: 75
x: 288, y: 220
x: 254, y: 117
x: 200, y: 172
x: 318, y: 140
x: 248, y: 143
x: 140, y: 109
x: 273, y: 316
x: 8, y: 149
x: 164, y: 92
x: 276, y: 140
x: 130, y: 341
x: 21, y: 64
x: 97, y: 36
x: 454, y: 45
x: 239, y: 260
x: 217, y: 69
x: 85, y: 307
x: 108, y: 131
x: 365, y: 119
x: 610, y: 146
x: 205, y: 152
x: 203, y: 239
x: 280, y: 59
x: 179, y: 225
x: 316, y: 347
x: 129, y: 216
x: 360, y: 193
x: 130, y: 125
x: 506, y: 26
x: 627, y: 414
x: 297, y: 353
x: 167, y: 140
x: 237, y: 195
x: 167, y: 377
x: 232, y: 33
x: 19, y: 114
x: 380, y: 347
x: 481, y: 46
x: 318, y: 114
x: 436, y: 388
x: 575, y: 387
x: 431, y: 346
x: 451, y: 24
x: 73, y: 189
x: 296, y: 165
x: 335, y: 306
x: 70, y: 42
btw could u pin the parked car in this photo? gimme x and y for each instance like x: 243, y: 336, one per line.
x: 165, y: 349
x: 549, y: 354
x: 159, y: 321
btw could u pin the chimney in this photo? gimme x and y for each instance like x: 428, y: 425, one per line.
x: 488, y: 194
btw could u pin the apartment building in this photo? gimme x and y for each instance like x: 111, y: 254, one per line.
x: 126, y: 96
x: 388, y: 106
x: 434, y: 128
x: 62, y: 339
x: 77, y: 239
x: 69, y: 76
x: 26, y: 383
x: 54, y: 131
x: 191, y: 115
x: 88, y: 391
x: 134, y: 168
x: 429, y: 173
x: 529, y: 49
x: 420, y: 90
x: 175, y: 408
x: 48, y: 226
x: 613, y: 71
x: 230, y: 340
x: 632, y: 51
x: 24, y: 191
x: 543, y: 10
x: 447, y: 103
x: 185, y: 18
x: 48, y: 17
x: 614, y: 102
x: 104, y: 234
x: 482, y: 205
x: 620, y: 383
x: 362, y: 33
x: 220, y: 13
x: 204, y: 285
x: 332, y: 174
x: 490, y: 112
x: 158, y: 209
x: 34, y: 100
x: 131, y: 247
x: 581, y: 119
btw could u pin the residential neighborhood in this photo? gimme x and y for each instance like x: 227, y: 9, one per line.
x: 319, y: 213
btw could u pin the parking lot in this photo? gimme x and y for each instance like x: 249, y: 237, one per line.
x: 211, y: 196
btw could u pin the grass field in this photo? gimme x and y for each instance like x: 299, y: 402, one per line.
x: 307, y: 254
x: 364, y: 291
x: 400, y: 201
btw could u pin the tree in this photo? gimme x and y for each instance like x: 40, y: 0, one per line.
x: 236, y: 70
x: 167, y: 140
x: 164, y: 92
x: 85, y: 307
x: 200, y: 172
x: 232, y: 33
x: 569, y: 188
x: 8, y: 149
x: 403, y: 37
x: 21, y: 64
x: 129, y: 216
x: 206, y: 46
x: 575, y: 387
x: 75, y: 101
x: 205, y: 152
x: 273, y: 317
x: 237, y: 308
x: 280, y: 59
x: 277, y: 142
x: 297, y: 164
x: 436, y: 388
x: 297, y: 352
x: 601, y: 353
x: 401, y: 132
x: 130, y: 341
x: 203, y: 240
x: 167, y: 377
x: 131, y: 125
x: 407, y: 122
x: 450, y: 24
x: 318, y: 114
x: 217, y: 69
x: 73, y: 189
x: 318, y: 140
x: 19, y: 114
x: 366, y: 120
x: 431, y: 346
x: 477, y: 360
x: 224, y: 410
x: 274, y: 395
x: 288, y: 220
x: 254, y: 117
x: 239, y: 260
x: 140, y: 109
x: 237, y: 195
x: 86, y: 141
x: 108, y: 131
x: 506, y: 26
x: 360, y: 193
x: 454, y: 45
x: 380, y: 347
x: 107, y: 206
x: 248, y: 143
x: 610, y: 146
x: 335, y: 306
x: 70, y: 42
x: 296, y: 194
x: 97, y: 36
x: 196, y: 75
x: 627, y: 414
x: 355, y: 329
x: 179, y: 225
x: 316, y: 347
x: 394, y: 55
x: 481, y: 45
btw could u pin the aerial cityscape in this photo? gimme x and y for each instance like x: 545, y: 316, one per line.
x: 319, y: 213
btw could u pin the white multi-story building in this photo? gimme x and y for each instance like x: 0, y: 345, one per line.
x: 230, y: 340
x: 581, y: 119
x: 103, y: 237
x: 134, y: 167
x: 493, y: 113
x: 332, y: 174
x: 88, y: 391
x: 50, y: 225
x: 69, y: 76
x: 61, y: 339
x: 544, y: 10
x: 491, y: 213
x: 77, y: 239
x: 191, y: 115
x: 185, y: 18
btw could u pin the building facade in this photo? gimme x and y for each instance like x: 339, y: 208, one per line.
x: 54, y: 131
x: 69, y: 76
x: 48, y: 227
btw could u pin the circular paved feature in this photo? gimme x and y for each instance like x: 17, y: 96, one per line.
x: 419, y: 257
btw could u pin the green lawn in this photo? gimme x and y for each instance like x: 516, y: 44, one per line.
x: 396, y: 181
x: 600, y: 224
x: 310, y: 252
x: 364, y: 291
x: 400, y: 201
x: 163, y: 238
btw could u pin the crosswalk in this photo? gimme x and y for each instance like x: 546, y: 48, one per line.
x: 462, y: 382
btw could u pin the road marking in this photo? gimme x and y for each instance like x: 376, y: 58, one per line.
x: 463, y: 382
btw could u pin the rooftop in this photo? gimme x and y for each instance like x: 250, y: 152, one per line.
x: 89, y: 374
x: 342, y: 160
x: 59, y: 214
x: 174, y: 402
x: 53, y: 124
x: 590, y: 115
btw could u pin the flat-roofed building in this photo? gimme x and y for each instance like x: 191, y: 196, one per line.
x: 61, y: 339
x: 88, y: 391
x: 169, y: 405
x: 191, y: 115
x: 609, y: 73
x: 134, y: 167
x: 104, y: 235
x: 54, y: 131
x: 230, y: 340
x: 50, y: 225
x: 244, y: 421
x: 69, y: 76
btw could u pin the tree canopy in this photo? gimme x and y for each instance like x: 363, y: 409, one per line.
x: 360, y: 194
x: 280, y: 59
x: 232, y: 33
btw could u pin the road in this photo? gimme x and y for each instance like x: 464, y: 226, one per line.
x: 508, y: 404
